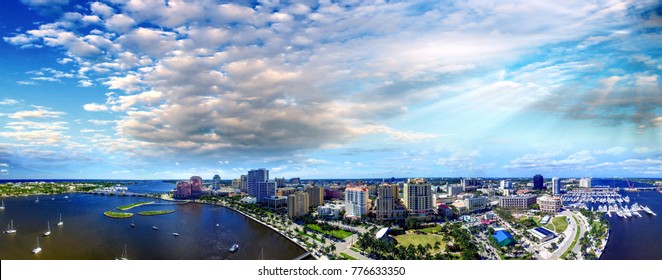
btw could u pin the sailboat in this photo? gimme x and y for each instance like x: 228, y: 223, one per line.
x: 124, y: 256
x: 133, y: 222
x: 53, y: 198
x: 38, y: 249
x: 2, y: 207
x: 36, y: 200
x: 10, y: 227
x: 48, y: 232
x: 60, y: 223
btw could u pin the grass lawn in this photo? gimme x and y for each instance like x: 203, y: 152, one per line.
x: 549, y: 226
x: 355, y: 249
x: 157, y: 212
x: 118, y: 215
x: 337, y: 233
x: 127, y: 207
x: 434, y: 229
x: 347, y: 256
x: 415, y: 239
x: 560, y: 223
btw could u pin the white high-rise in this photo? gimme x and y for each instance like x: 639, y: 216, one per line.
x: 356, y: 202
x: 556, y: 186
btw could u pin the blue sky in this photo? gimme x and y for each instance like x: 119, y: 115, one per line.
x: 330, y: 89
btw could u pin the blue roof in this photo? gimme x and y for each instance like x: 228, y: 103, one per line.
x: 503, y: 238
x: 543, y: 231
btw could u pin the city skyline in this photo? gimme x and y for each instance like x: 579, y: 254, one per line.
x: 152, y: 89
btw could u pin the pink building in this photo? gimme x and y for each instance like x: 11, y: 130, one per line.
x: 183, y: 190
x: 196, y: 186
x: 332, y: 194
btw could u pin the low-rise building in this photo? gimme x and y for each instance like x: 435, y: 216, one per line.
x: 330, y: 210
x: 517, y: 201
x: 549, y: 204
x: 475, y: 204
x: 541, y: 234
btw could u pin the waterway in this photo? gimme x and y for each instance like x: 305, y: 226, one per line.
x: 88, y: 234
x: 636, y: 238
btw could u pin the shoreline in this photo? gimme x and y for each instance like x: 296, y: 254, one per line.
x: 302, y: 246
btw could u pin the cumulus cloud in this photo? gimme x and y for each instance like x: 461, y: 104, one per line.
x: 40, y: 112
x: 8, y: 101
x: 93, y: 107
x: 547, y: 161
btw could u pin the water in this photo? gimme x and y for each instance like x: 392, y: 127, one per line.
x: 88, y: 234
x: 636, y: 238
x: 150, y: 187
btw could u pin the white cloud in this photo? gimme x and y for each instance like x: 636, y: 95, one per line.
x: 93, y: 107
x: 39, y: 113
x: 614, y: 151
x: 101, y: 9
x: 8, y: 101
x: 4, y: 165
x: 120, y: 23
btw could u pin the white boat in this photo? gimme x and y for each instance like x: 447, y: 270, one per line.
x: 36, y: 200
x: 155, y: 228
x: 133, y: 222
x: 636, y: 214
x: 10, y: 227
x: 53, y: 198
x: 38, y: 249
x: 66, y: 197
x: 626, y: 199
x: 619, y: 212
x: 48, y: 232
x: 649, y: 211
x: 234, y: 248
x: 124, y: 256
x: 60, y: 223
x: 175, y: 234
x: 217, y: 225
x: 2, y: 207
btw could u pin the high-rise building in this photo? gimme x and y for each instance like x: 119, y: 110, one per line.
x: 356, y: 202
x: 255, y: 176
x: 183, y: 190
x: 280, y: 182
x: 263, y: 190
x: 196, y: 186
x: 471, y: 183
x: 417, y: 196
x: 387, y: 203
x: 504, y: 184
x: 244, y: 183
x: 216, y: 182
x: 556, y: 186
x: 295, y: 181
x: 585, y: 182
x: 538, y: 182
x: 236, y: 184
x: 316, y: 195
x: 297, y: 204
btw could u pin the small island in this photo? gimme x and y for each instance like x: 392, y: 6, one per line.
x: 127, y: 207
x: 117, y: 215
x: 157, y: 212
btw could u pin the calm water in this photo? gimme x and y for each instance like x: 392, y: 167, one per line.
x: 88, y: 234
x: 637, y: 238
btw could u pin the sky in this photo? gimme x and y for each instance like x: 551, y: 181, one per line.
x: 156, y: 89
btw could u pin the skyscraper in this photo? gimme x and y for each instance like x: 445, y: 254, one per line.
x: 263, y: 190
x: 196, y: 186
x: 387, y: 203
x: 244, y: 183
x: 216, y: 182
x: 280, y: 182
x: 556, y: 186
x: 316, y: 195
x: 255, y: 176
x: 538, y: 182
x: 183, y: 189
x: 297, y: 204
x: 356, y: 202
x: 418, y: 198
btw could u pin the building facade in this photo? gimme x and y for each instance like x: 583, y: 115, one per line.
x: 549, y: 204
x: 475, y: 204
x: 196, y: 186
x: 505, y: 184
x: 517, y: 201
x: 297, y: 204
x: 244, y: 183
x: 316, y: 195
x: 356, y: 202
x: 538, y: 182
x: 585, y: 182
x: 556, y: 186
x: 216, y: 182
x: 330, y: 210
x: 255, y: 176
x: 263, y: 190
x: 183, y: 190
x: 387, y: 204
x: 417, y: 196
